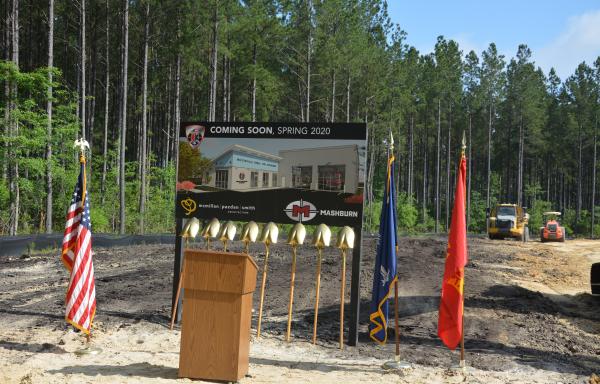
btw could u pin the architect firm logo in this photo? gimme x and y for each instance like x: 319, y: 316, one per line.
x: 301, y: 211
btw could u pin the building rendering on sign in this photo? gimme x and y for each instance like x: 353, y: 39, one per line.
x: 333, y: 168
x: 241, y: 168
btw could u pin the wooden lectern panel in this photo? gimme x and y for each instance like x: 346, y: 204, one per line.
x: 217, y: 311
x: 219, y: 271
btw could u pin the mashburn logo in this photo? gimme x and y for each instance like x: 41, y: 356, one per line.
x: 301, y: 210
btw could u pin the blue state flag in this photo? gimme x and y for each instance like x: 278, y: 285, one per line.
x: 385, y: 263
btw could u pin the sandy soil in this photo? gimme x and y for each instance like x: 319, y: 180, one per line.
x: 529, y: 318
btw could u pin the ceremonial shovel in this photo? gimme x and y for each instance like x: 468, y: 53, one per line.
x: 295, y: 238
x: 227, y: 233
x: 268, y: 236
x: 321, y: 239
x: 345, y: 241
x: 211, y: 230
x: 249, y: 235
x: 190, y: 229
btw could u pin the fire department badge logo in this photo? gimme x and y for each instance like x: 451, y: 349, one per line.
x: 194, y: 134
x: 301, y: 211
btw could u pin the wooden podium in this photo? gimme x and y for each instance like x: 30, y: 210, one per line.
x: 217, y: 312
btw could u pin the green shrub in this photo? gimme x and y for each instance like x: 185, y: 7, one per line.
x: 536, y: 219
x: 407, y: 212
x: 100, y: 221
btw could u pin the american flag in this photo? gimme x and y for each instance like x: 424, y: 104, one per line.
x: 77, y: 257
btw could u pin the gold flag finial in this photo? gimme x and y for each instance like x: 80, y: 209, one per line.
x: 391, y: 139
x: 82, y: 145
x: 464, y: 143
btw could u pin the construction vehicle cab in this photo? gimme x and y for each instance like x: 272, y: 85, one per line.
x: 595, y: 278
x: 552, y: 230
x: 508, y: 221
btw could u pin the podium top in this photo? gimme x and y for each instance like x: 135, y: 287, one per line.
x: 216, y: 271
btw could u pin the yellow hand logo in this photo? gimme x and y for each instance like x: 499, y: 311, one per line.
x: 189, y: 205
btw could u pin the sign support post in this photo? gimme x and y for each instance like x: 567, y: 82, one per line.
x: 177, y: 266
x: 355, y: 289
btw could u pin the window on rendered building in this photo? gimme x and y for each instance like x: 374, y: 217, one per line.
x: 332, y: 177
x: 302, y: 177
x: 221, y: 177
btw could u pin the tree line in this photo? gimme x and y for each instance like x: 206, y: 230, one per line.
x: 124, y: 73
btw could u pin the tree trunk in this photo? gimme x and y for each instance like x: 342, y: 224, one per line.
x: 448, y: 156
x: 213, y: 64
x: 254, y: 82
x: 594, y: 182
x: 49, y: 113
x: 308, y: 60
x: 489, y: 157
x: 520, y: 168
x: 228, y: 118
x: 177, y: 101
x: 348, y: 99
x: 225, y: 88
x: 169, y: 124
x: 579, y: 173
x: 368, y: 181
x: 424, y: 205
x: 308, y: 75
x: 83, y: 64
x: 14, y: 130
x: 92, y: 109
x: 144, y: 137
x: 7, y: 57
x: 411, y: 157
x: 123, y: 118
x: 437, y: 169
x: 106, y: 105
x: 469, y: 175
x: 333, y: 96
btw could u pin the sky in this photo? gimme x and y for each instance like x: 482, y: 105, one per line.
x: 560, y: 33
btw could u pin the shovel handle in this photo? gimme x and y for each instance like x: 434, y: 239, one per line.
x: 342, y: 297
x: 293, y: 278
x: 262, y: 292
x: 314, y: 339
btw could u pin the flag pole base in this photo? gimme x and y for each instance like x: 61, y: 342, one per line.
x: 88, y: 351
x: 396, y: 364
x: 460, y: 367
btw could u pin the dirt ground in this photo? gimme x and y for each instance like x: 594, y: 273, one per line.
x: 529, y: 317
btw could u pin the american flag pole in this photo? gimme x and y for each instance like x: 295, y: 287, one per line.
x: 80, y: 298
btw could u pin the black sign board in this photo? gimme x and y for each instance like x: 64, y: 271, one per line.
x: 281, y: 172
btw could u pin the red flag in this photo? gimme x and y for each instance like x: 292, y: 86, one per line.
x: 77, y: 257
x: 450, y: 324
